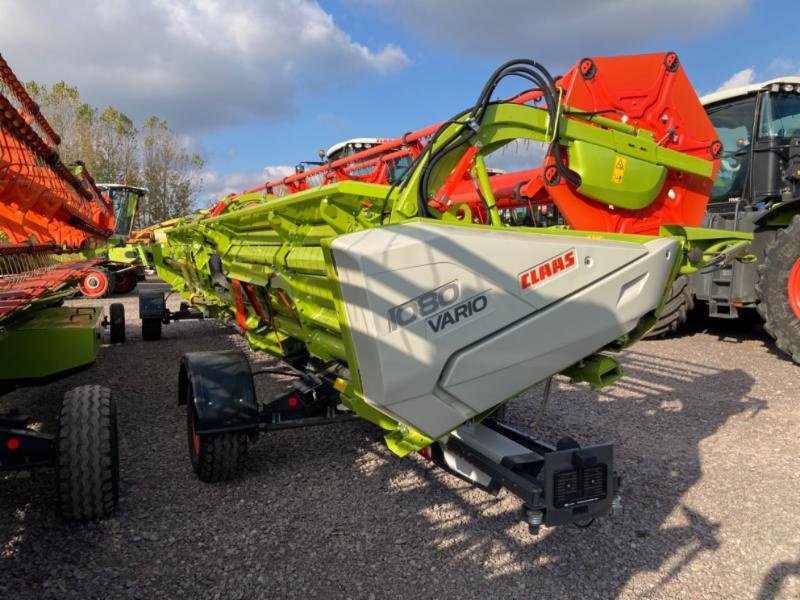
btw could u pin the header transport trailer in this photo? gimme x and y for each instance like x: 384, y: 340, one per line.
x: 407, y: 306
x: 52, y: 219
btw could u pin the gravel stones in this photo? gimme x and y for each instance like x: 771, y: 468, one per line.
x: 705, y: 427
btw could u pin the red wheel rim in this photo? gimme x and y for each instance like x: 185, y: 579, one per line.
x: 793, y: 288
x: 125, y: 284
x: 94, y: 284
x: 195, y: 436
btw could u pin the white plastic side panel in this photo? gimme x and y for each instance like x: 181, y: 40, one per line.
x: 421, y: 295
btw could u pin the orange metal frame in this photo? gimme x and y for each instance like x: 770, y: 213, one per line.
x: 41, y: 200
x: 45, y: 208
x: 611, y: 87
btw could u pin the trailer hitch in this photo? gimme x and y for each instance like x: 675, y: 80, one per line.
x: 558, y: 485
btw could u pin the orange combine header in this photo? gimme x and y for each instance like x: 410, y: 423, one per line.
x: 47, y: 208
x: 646, y: 96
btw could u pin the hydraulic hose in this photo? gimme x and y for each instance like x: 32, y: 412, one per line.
x: 470, y: 121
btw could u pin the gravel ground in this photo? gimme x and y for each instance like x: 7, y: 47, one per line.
x: 705, y: 427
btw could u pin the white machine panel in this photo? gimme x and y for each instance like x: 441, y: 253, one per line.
x: 449, y: 321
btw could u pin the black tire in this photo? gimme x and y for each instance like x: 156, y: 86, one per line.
x: 123, y: 283
x: 88, y: 454
x: 675, y: 315
x: 780, y: 265
x: 217, y: 456
x: 151, y: 329
x: 116, y: 319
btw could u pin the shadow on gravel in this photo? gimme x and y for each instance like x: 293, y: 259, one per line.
x: 44, y: 556
x: 776, y: 578
x: 658, y: 415
x: 328, y: 512
x: 747, y: 327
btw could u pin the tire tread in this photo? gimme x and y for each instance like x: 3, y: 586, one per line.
x: 87, y: 463
x: 780, y: 321
x: 222, y: 456
x: 675, y: 314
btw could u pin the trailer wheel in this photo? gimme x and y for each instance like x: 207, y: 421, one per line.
x: 778, y: 289
x: 117, y: 322
x: 151, y: 329
x: 88, y: 456
x: 95, y: 284
x: 124, y: 282
x: 215, y: 456
x: 675, y: 315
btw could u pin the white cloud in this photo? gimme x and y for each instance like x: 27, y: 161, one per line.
x: 738, y: 79
x: 378, y: 3
x: 216, y: 185
x: 780, y: 65
x: 274, y: 172
x: 554, y: 33
x: 198, y: 63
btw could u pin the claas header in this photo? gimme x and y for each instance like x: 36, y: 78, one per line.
x: 404, y: 297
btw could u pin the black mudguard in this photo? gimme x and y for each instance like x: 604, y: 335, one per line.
x: 221, y: 386
x: 780, y: 214
x: 152, y: 304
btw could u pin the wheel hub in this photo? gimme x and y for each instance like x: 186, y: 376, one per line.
x: 793, y: 288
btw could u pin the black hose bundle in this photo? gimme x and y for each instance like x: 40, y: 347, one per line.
x: 471, y: 119
x: 529, y: 70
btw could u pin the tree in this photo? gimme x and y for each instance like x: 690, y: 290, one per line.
x: 115, y: 151
x: 72, y: 119
x: 169, y: 172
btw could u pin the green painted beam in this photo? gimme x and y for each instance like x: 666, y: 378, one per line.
x: 42, y: 343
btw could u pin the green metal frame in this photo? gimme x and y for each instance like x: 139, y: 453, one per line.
x: 45, y: 342
x: 282, y: 246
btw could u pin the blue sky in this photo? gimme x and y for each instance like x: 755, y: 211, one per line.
x: 259, y: 84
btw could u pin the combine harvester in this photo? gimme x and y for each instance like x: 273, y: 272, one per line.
x: 409, y: 301
x: 52, y: 220
x: 125, y: 258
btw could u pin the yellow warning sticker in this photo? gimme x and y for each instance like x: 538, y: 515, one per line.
x: 619, y: 169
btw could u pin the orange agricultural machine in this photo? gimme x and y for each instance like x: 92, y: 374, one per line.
x: 47, y: 210
x: 596, y: 90
x: 52, y: 219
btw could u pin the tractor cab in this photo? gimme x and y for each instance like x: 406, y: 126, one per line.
x: 759, y: 126
x: 349, y: 147
x: 125, y: 199
x: 398, y: 166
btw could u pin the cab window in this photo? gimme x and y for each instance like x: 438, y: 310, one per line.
x: 780, y: 116
x: 734, y: 124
